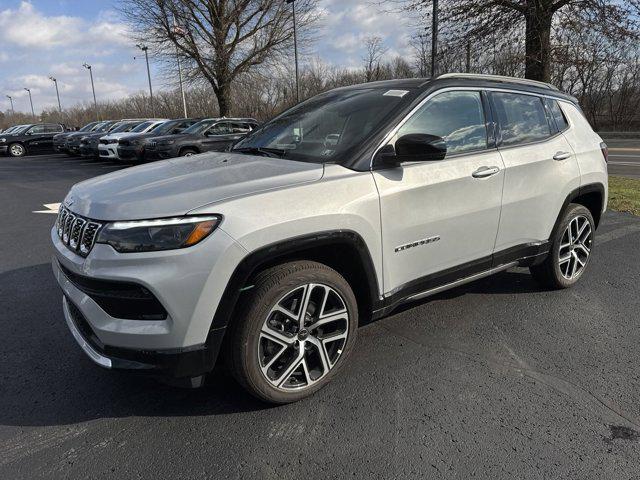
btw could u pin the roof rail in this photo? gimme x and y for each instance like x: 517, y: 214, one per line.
x: 500, y: 78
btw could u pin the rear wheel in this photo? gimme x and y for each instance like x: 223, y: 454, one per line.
x: 17, y: 150
x: 296, y: 329
x: 570, y: 250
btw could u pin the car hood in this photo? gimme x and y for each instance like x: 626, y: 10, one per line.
x: 177, y: 186
x: 115, y: 136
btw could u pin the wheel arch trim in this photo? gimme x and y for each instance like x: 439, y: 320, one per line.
x: 281, y: 249
x: 576, y: 193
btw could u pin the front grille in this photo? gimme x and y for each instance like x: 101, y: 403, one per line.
x: 77, y: 233
x: 151, y: 145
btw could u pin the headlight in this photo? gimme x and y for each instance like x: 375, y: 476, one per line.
x: 155, y: 235
x: 2, y: 140
x: 166, y: 142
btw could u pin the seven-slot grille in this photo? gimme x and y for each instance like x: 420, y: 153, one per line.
x: 77, y: 233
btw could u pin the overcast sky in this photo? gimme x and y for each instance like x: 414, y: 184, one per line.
x: 54, y: 37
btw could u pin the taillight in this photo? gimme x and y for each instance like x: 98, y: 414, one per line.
x: 605, y: 151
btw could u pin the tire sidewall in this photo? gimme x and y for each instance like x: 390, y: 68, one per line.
x: 573, y: 211
x: 256, y: 314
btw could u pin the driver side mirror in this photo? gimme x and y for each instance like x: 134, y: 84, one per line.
x: 414, y: 147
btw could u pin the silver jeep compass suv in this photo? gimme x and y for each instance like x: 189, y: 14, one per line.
x: 342, y: 208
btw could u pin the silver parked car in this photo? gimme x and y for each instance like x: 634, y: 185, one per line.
x: 342, y: 208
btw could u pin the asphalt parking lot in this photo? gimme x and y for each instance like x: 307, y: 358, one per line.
x: 497, y: 379
x: 624, y: 156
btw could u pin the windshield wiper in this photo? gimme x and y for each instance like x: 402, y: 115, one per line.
x: 265, y: 152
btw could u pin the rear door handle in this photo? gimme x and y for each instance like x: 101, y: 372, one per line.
x: 484, y: 172
x: 561, y: 156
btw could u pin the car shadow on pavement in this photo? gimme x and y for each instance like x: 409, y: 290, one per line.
x: 45, y: 379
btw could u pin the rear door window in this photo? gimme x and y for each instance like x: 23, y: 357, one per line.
x: 522, y: 118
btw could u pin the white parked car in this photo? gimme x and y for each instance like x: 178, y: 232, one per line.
x: 342, y: 208
x: 108, y: 145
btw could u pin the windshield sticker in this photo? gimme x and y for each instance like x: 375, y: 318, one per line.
x: 396, y: 93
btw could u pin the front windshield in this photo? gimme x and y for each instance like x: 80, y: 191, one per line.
x: 200, y: 127
x: 327, y: 127
x: 88, y: 127
x: 142, y: 127
x: 21, y: 129
x: 165, y: 127
x: 122, y: 127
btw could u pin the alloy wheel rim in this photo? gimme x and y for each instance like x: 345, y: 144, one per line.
x: 575, y: 247
x: 16, y: 150
x: 303, y: 337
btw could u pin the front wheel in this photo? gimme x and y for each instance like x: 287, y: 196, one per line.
x: 570, y: 250
x: 188, y: 152
x: 296, y: 329
x: 17, y: 150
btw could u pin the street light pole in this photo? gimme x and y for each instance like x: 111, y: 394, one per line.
x: 13, y: 112
x: 55, y: 81
x: 145, y: 49
x: 295, y: 48
x: 179, y: 31
x: 93, y: 88
x: 434, y: 40
x: 33, y: 113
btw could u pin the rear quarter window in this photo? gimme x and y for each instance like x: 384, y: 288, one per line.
x: 558, y: 115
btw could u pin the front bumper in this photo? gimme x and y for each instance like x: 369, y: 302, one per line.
x: 179, y: 363
x: 130, y: 153
x: 89, y: 150
x: 159, y: 153
x: 189, y: 283
x: 108, y: 151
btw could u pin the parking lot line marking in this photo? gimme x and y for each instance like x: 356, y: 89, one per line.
x: 50, y: 208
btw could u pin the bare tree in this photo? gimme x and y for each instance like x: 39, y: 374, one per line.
x: 421, y: 46
x: 477, y: 18
x: 374, y: 51
x: 220, y: 40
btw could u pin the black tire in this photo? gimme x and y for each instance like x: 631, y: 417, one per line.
x: 187, y: 152
x: 549, y: 273
x: 16, y: 150
x: 244, y: 346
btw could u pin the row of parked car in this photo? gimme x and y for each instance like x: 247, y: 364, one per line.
x: 128, y: 140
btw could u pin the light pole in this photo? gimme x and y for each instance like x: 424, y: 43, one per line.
x: 93, y: 88
x: 434, y: 40
x: 145, y: 49
x: 33, y: 113
x: 295, y: 48
x: 55, y: 81
x: 179, y: 31
x: 13, y: 112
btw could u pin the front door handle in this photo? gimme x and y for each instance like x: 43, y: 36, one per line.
x: 484, y: 172
x: 561, y: 156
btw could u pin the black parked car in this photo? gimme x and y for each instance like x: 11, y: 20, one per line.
x: 132, y: 147
x: 88, y: 143
x: 60, y: 140
x: 36, y: 138
x: 212, y: 134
